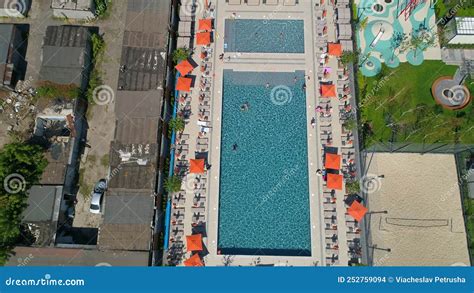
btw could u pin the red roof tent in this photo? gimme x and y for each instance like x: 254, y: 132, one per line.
x: 194, y: 261
x: 194, y: 242
x: 196, y: 166
x: 203, y: 39
x: 335, y: 49
x: 184, y: 67
x: 334, y: 181
x: 205, y: 24
x: 333, y: 161
x: 184, y: 84
x: 357, y: 211
x: 328, y: 91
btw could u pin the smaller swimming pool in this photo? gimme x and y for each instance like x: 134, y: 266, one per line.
x: 264, y: 36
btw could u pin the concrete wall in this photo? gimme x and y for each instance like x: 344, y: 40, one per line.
x: 462, y: 39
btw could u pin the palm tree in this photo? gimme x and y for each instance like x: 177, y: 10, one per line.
x: 177, y: 124
x: 180, y: 54
x: 350, y: 124
x: 172, y: 184
x: 350, y: 57
x: 363, y: 23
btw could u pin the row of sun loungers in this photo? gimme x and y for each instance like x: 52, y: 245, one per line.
x: 330, y: 111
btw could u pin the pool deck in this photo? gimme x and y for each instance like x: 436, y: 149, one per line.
x: 308, y: 62
x: 268, y: 63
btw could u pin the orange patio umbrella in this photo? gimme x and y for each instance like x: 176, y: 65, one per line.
x: 194, y: 242
x: 335, y: 49
x: 333, y: 161
x: 334, y: 181
x: 184, y: 67
x: 357, y: 211
x: 184, y: 84
x: 328, y: 90
x: 196, y: 166
x: 194, y: 261
x: 205, y: 24
x: 203, y: 39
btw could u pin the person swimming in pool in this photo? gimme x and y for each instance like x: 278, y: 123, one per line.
x: 234, y: 147
x: 245, y: 106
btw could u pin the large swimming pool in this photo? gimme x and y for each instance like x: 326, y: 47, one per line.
x: 264, y: 192
x: 264, y: 36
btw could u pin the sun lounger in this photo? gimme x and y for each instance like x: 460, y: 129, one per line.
x: 289, y: 2
x: 253, y: 2
x: 203, y: 140
x: 329, y: 206
x: 329, y: 214
x: 204, y: 108
x: 234, y: 2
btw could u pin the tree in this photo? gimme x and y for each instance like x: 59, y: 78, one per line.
x: 363, y: 24
x: 349, y: 57
x: 395, y: 42
x: 180, y: 54
x: 177, y: 124
x: 21, y: 166
x: 353, y: 187
x: 350, y: 124
x: 102, y: 8
x: 420, y: 40
x: 172, y: 184
x: 24, y: 159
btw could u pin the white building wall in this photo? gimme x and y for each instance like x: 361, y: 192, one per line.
x: 462, y: 39
x: 5, y: 12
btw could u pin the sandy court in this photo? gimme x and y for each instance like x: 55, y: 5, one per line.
x: 423, y: 225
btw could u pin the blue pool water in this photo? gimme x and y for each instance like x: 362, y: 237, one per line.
x: 264, y: 36
x: 264, y: 193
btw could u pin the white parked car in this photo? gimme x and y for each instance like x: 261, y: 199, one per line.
x: 97, y: 196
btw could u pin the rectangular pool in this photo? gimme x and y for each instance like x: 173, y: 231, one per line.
x: 264, y: 193
x: 264, y: 36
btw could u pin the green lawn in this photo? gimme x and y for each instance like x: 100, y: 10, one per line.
x: 400, y: 99
x: 461, y: 8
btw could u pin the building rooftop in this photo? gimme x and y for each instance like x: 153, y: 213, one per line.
x: 48, y: 256
x: 6, y: 31
x: 66, y: 55
x: 58, y: 157
x: 464, y: 25
x: 424, y: 224
x: 42, y: 201
x: 144, y: 45
x: 72, y: 4
x: 127, y: 221
x: 139, y: 172
x: 129, y: 208
x: 42, y: 213
x: 136, y: 132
